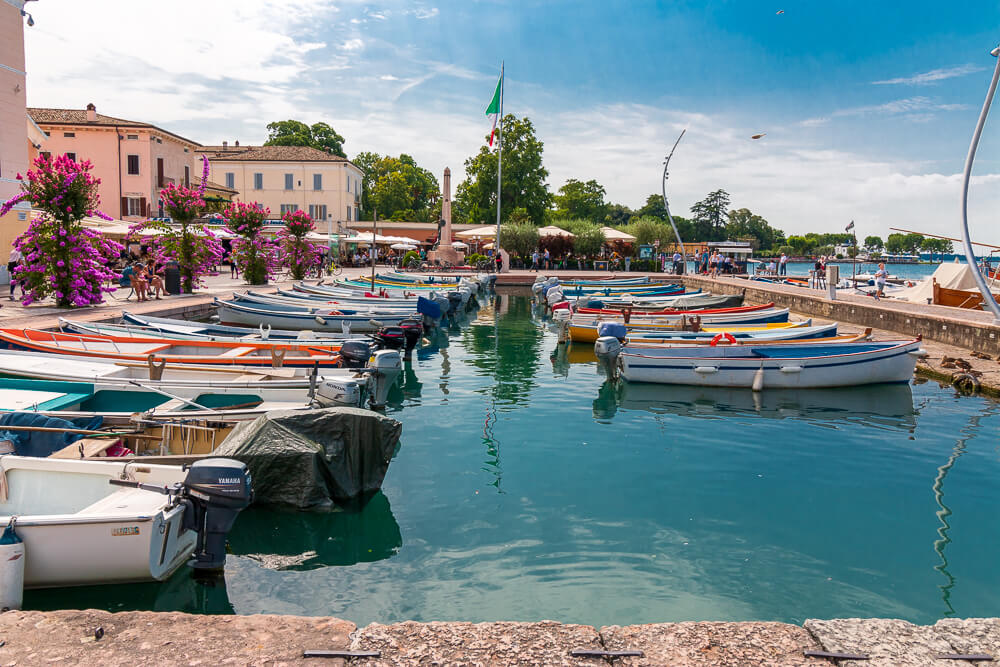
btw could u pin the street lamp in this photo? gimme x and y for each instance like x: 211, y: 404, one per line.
x: 970, y: 255
x: 666, y: 164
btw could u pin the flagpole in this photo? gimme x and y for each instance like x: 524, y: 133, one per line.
x: 496, y: 244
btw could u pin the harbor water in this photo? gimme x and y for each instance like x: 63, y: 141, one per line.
x: 528, y: 486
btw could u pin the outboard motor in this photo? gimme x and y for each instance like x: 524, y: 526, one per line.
x: 215, y: 491
x: 387, y: 366
x: 413, y: 331
x: 355, y: 353
x: 390, y: 338
x: 454, y: 301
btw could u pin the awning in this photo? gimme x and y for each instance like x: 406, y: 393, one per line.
x: 488, y: 232
x: 551, y: 230
x: 612, y: 234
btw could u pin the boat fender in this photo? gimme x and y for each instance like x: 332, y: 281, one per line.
x: 11, y: 568
x: 320, y: 321
x: 758, y: 379
x: 723, y: 336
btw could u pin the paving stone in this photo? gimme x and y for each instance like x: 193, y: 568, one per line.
x: 887, y: 642
x: 971, y: 635
x: 544, y: 643
x: 164, y: 639
x: 705, y: 643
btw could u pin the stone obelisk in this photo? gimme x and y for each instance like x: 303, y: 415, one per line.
x: 445, y: 252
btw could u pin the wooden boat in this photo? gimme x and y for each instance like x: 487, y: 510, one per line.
x: 787, y: 333
x: 584, y: 329
x: 682, y: 302
x: 80, y: 530
x: 244, y: 353
x: 275, y: 302
x: 762, y: 365
x: 184, y: 330
x: 958, y: 298
x: 347, y: 386
x: 643, y: 315
x: 262, y: 315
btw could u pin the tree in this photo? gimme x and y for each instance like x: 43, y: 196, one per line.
x: 710, y: 214
x: 653, y: 208
x: 297, y: 133
x: 617, y: 215
x: 524, y: 177
x: 397, y: 188
x: 873, y: 243
x: 256, y: 256
x: 577, y: 199
x: 903, y: 243
x: 744, y: 224
x: 297, y: 252
x: 800, y: 244
x: 519, y: 239
x: 589, y: 241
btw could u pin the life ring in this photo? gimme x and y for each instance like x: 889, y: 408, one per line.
x: 727, y: 336
x: 966, y: 383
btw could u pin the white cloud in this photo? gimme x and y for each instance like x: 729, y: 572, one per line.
x: 933, y: 76
x: 424, y: 13
x: 916, y: 109
x: 353, y: 44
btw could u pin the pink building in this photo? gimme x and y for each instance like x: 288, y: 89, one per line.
x: 134, y: 160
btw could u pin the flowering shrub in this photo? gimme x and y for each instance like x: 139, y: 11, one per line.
x: 61, y: 258
x: 297, y: 253
x: 256, y: 256
x: 196, y: 250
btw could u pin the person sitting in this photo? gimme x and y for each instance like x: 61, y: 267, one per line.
x: 126, y: 277
x: 155, y: 280
x: 139, y: 282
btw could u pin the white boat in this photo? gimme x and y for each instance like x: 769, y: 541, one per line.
x: 81, y: 527
x: 761, y: 366
x: 331, y: 386
x: 262, y: 315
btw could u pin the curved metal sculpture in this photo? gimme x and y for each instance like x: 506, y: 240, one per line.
x: 970, y: 255
x: 666, y: 164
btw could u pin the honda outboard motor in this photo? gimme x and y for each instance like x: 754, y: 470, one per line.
x: 215, y: 491
x: 413, y: 331
x: 355, y: 353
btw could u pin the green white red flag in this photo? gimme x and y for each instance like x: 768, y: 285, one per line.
x: 493, y: 110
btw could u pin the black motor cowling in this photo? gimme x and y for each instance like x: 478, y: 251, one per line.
x: 413, y: 331
x: 214, y: 491
x: 391, y: 338
x: 355, y: 353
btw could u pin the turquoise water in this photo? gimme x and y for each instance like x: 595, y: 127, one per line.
x: 527, y: 487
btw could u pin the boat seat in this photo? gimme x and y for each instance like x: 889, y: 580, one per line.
x: 237, y: 352
x: 125, y: 501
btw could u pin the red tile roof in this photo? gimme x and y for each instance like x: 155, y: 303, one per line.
x: 43, y: 117
x: 270, y: 154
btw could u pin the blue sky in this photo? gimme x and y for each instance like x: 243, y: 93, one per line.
x: 868, y: 107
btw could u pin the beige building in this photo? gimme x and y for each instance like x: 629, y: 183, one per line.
x: 291, y: 178
x: 133, y: 159
x: 17, y: 134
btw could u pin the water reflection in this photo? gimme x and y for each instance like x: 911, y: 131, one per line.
x: 282, y: 540
x: 889, y: 405
x: 185, y: 592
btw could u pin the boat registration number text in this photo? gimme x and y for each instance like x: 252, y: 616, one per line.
x: 127, y: 530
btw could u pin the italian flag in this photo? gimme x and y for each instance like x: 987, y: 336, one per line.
x: 493, y: 110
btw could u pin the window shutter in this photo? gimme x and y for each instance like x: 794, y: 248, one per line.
x: 124, y: 209
x: 142, y: 207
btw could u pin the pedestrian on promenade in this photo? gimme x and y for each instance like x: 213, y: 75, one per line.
x: 534, y: 260
x: 678, y: 259
x: 548, y: 260
x: 880, y: 277
x: 783, y: 265
x: 12, y: 263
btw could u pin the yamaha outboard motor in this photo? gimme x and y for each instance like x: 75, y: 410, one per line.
x: 214, y: 491
x: 355, y: 353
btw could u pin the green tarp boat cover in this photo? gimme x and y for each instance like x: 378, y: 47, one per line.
x: 311, y: 460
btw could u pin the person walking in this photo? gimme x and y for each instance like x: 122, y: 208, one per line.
x: 548, y: 260
x: 534, y: 260
x: 678, y: 259
x: 12, y: 263
x: 880, y: 277
x: 783, y: 265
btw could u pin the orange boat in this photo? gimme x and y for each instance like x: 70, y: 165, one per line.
x: 243, y: 353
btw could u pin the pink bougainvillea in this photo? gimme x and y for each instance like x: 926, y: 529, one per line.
x: 256, y: 256
x: 61, y: 258
x: 297, y: 253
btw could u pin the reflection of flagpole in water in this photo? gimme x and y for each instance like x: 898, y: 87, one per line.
x: 944, y: 512
x: 489, y: 437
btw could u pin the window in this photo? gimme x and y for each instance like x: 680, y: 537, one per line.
x: 258, y: 181
x: 348, y: 213
x: 45, y: 154
x: 133, y: 164
x: 71, y: 156
x: 132, y: 137
x: 187, y: 176
x: 133, y: 206
x: 160, y: 179
x: 289, y: 185
x: 317, y: 181
x: 69, y: 134
x: 348, y: 182
x: 230, y: 179
x: 317, y: 211
x: 289, y: 208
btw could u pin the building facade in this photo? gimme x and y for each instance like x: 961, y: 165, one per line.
x: 15, y: 144
x: 291, y: 178
x: 134, y: 160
